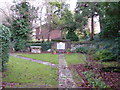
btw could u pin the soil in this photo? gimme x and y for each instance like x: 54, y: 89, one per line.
x: 112, y: 79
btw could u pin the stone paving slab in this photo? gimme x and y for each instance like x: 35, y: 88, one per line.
x: 65, y: 77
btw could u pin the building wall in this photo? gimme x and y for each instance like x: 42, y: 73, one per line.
x: 44, y: 34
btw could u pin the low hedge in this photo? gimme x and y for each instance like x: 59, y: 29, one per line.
x: 103, y: 55
x: 4, y: 47
x: 82, y: 49
x: 108, y: 49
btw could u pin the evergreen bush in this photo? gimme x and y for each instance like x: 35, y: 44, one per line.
x: 4, y: 47
x: 82, y: 49
x: 103, y: 55
x: 72, y: 36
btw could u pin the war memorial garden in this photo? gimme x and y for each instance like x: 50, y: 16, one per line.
x: 66, y: 51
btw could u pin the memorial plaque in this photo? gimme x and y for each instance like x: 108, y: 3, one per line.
x: 60, y: 45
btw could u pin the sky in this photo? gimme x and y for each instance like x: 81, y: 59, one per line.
x: 3, y: 3
x: 72, y: 4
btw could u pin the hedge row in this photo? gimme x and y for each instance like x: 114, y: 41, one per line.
x: 4, y: 47
x: 103, y: 50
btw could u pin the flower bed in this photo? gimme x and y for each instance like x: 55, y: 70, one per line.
x: 110, y: 79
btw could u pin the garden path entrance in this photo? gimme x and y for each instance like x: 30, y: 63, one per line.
x: 65, y: 77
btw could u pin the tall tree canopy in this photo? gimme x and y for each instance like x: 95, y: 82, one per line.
x: 63, y: 19
x: 21, y: 27
x: 110, y: 20
x: 85, y: 10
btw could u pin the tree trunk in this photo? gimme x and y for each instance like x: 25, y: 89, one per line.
x: 92, y: 28
x: 62, y: 34
x: 49, y: 35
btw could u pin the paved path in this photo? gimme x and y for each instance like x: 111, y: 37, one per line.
x: 65, y: 77
x: 34, y: 60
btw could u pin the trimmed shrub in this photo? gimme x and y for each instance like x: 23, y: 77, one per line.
x: 72, y: 36
x: 103, y: 55
x: 4, y: 47
x: 82, y: 49
x: 91, y: 50
x: 111, y: 45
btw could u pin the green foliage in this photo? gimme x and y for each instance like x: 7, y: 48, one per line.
x: 30, y: 73
x: 54, y: 49
x: 57, y: 18
x: 95, y: 82
x: 91, y: 50
x: 111, y: 20
x: 81, y: 21
x: 20, y: 34
x: 113, y: 48
x: 108, y: 13
x: 68, y: 50
x: 103, y: 55
x: 87, y: 47
x: 111, y: 29
x: 116, y: 49
x: 75, y: 58
x: 22, y: 24
x: 44, y: 57
x: 72, y: 36
x: 63, y: 18
x: 82, y: 49
x: 85, y: 10
x: 20, y: 45
x: 4, y: 46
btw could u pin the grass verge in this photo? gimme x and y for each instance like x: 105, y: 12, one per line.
x: 24, y: 72
x: 43, y: 57
x: 75, y: 58
x: 76, y: 77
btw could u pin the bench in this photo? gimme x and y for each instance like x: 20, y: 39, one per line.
x: 35, y: 49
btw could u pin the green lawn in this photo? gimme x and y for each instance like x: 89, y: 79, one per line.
x: 44, y: 57
x: 75, y: 58
x: 25, y: 72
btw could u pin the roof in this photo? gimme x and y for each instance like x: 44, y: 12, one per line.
x: 54, y: 34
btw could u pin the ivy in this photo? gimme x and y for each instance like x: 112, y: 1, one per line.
x: 4, y: 46
x: 95, y: 82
